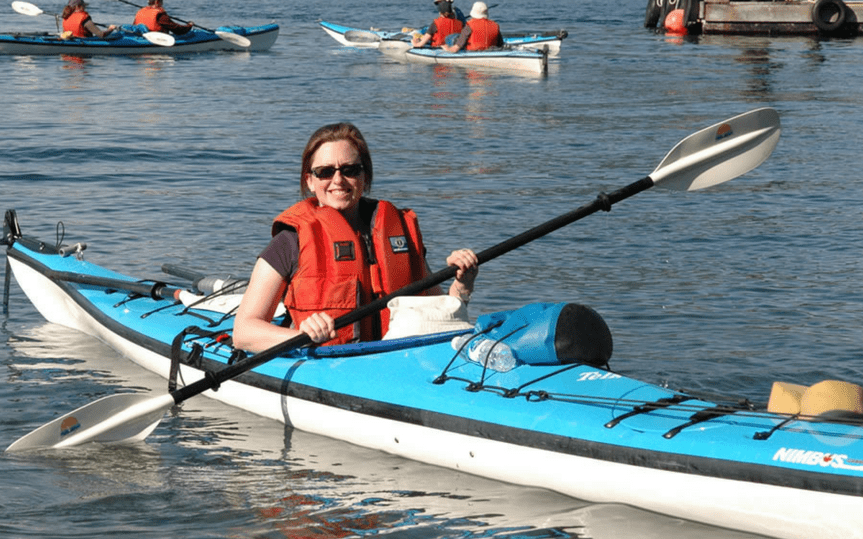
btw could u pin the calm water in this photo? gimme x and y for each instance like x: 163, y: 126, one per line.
x: 186, y: 159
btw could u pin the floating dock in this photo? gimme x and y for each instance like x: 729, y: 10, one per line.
x: 761, y: 17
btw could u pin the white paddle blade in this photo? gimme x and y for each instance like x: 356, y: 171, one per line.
x: 235, y: 39
x: 121, y: 418
x: 361, y: 36
x: 392, y: 47
x: 159, y: 38
x: 26, y: 8
x: 720, y: 152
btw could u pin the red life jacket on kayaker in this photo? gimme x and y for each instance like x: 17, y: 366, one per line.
x: 445, y: 26
x: 149, y: 16
x: 75, y: 23
x: 483, y: 34
x: 334, y: 273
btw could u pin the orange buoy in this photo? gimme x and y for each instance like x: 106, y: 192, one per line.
x: 674, y: 23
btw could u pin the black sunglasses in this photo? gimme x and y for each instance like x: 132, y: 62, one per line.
x: 348, y: 171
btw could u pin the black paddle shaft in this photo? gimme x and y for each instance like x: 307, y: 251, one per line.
x: 212, y: 380
x: 183, y: 273
x: 155, y: 290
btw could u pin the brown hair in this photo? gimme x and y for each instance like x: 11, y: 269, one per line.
x: 334, y: 133
x: 70, y: 8
x: 445, y: 8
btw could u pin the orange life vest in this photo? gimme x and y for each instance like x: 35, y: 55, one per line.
x: 149, y: 16
x: 445, y: 26
x: 75, y: 24
x: 483, y: 34
x: 334, y: 274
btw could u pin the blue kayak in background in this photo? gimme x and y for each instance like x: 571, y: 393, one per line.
x: 128, y: 41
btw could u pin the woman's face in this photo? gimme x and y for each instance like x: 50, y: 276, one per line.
x: 340, y: 180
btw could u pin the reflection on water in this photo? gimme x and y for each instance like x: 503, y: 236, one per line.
x: 60, y: 354
x: 154, y: 64
x: 73, y: 62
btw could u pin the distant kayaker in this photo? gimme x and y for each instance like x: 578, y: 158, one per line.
x: 156, y: 19
x: 479, y: 33
x: 78, y: 21
x: 337, y: 250
x: 444, y: 25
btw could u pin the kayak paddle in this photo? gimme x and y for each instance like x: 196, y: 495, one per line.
x: 155, y: 290
x: 361, y: 36
x: 26, y: 8
x: 708, y: 157
x: 156, y: 38
x: 159, y: 38
x: 367, y: 36
x: 394, y: 44
x: 230, y: 37
x: 394, y: 47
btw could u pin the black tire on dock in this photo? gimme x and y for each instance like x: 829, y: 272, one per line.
x: 829, y: 15
x: 652, y: 13
x: 690, y: 17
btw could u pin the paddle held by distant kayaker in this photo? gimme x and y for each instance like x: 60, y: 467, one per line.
x: 447, y: 23
x: 337, y: 250
x: 77, y: 21
x: 156, y: 19
x: 479, y: 33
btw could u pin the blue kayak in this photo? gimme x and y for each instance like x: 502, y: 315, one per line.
x: 130, y: 40
x: 560, y: 419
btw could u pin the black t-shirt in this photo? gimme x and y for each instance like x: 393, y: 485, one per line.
x: 283, y: 253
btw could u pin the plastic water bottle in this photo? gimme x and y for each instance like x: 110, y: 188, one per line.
x: 499, y: 359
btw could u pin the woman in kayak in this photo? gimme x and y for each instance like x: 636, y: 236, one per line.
x: 335, y: 251
x: 441, y: 27
x: 479, y: 33
x: 156, y: 19
x: 78, y: 21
